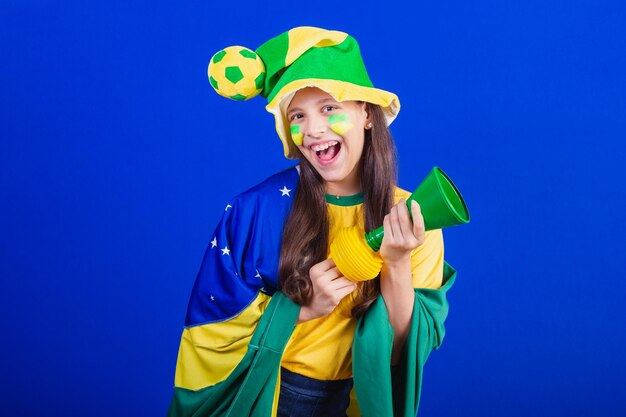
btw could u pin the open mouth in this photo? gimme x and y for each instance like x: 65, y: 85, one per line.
x: 326, y: 152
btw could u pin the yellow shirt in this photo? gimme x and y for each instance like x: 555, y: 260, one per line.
x: 322, y: 348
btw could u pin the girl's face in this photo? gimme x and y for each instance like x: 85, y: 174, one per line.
x: 330, y: 135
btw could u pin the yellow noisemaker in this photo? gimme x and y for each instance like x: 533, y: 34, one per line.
x: 353, y: 257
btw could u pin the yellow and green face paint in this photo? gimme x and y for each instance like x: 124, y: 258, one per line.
x: 340, y: 123
x: 296, y: 134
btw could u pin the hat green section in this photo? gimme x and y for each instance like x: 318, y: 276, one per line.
x: 286, y: 55
x: 312, y: 57
x: 273, y: 53
x: 338, y: 62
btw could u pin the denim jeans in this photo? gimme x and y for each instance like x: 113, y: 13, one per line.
x: 301, y: 396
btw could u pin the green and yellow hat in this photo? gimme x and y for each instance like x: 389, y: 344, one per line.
x: 299, y: 58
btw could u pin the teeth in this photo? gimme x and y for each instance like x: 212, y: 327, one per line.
x: 323, y: 146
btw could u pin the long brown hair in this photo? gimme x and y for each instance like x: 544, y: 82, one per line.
x: 305, y: 235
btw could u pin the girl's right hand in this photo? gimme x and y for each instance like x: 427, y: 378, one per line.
x: 329, y: 288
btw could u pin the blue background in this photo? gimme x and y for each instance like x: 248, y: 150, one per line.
x: 117, y: 159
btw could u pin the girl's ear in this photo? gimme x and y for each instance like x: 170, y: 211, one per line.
x: 366, y: 108
x: 368, y: 119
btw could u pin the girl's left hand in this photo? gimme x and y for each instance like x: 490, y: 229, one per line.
x: 402, y: 235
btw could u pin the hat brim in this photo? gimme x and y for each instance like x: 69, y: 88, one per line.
x: 340, y: 90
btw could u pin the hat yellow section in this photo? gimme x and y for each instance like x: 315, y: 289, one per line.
x: 340, y: 90
x: 303, y: 38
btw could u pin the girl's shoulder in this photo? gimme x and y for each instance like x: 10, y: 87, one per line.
x: 400, y: 193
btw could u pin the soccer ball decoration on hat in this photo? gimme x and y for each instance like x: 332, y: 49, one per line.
x: 237, y: 73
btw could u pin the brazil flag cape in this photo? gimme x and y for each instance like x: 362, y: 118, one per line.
x: 238, y: 323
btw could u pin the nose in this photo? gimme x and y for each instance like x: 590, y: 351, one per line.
x: 317, y: 126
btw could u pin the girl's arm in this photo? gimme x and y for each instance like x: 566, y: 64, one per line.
x: 402, y: 236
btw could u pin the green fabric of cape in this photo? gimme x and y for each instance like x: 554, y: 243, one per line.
x: 382, y: 390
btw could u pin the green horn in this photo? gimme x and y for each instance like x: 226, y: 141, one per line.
x: 441, y: 203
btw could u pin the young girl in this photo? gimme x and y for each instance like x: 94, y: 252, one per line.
x: 273, y: 326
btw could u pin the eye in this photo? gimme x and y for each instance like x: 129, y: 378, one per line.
x: 296, y: 116
x: 329, y: 108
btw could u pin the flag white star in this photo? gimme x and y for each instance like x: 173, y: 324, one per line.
x: 257, y: 274
x: 285, y: 191
x: 212, y: 298
x: 227, y: 207
x: 225, y: 251
x: 214, y: 242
